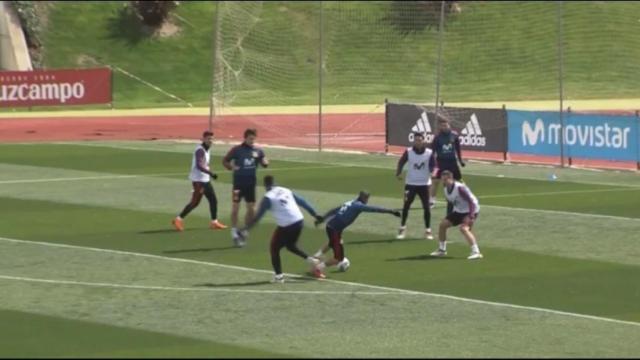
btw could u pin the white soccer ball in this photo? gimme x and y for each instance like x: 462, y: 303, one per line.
x: 344, y: 264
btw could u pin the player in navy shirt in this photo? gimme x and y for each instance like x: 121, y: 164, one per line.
x: 446, y: 147
x: 243, y: 160
x: 340, y: 218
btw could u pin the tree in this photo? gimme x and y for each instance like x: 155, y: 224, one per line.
x: 153, y: 13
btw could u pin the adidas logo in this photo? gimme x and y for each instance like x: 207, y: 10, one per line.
x: 471, y: 135
x: 423, y: 126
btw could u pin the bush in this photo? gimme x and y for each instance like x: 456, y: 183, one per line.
x: 410, y: 17
x: 153, y: 13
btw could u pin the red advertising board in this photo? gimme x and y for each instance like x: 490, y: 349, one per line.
x: 55, y: 87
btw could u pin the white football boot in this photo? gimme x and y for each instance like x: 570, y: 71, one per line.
x: 402, y: 232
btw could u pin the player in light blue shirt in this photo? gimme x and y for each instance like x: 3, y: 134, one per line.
x: 339, y: 219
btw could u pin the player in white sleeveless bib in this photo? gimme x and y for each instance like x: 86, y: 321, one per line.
x: 465, y: 212
x: 421, y: 163
x: 283, y: 204
x: 200, y: 176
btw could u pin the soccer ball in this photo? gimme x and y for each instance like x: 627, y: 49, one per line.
x: 344, y: 264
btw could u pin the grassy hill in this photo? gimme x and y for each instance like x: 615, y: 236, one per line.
x: 493, y: 51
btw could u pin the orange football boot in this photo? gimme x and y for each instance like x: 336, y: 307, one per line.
x: 217, y: 225
x: 177, y: 223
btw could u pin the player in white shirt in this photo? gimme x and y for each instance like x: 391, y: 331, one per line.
x: 283, y: 204
x: 465, y: 212
x: 421, y: 163
x: 200, y: 177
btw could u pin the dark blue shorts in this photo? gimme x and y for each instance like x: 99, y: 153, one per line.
x: 246, y: 191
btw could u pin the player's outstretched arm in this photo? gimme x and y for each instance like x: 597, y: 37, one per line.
x: 305, y: 205
x: 265, y: 204
x: 377, y: 209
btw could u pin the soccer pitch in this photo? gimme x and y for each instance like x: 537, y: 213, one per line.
x: 92, y: 267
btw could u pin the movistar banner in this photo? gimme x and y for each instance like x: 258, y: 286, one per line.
x: 479, y: 129
x: 588, y: 136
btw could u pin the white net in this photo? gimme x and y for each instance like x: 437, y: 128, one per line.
x: 493, y: 53
x: 266, y: 54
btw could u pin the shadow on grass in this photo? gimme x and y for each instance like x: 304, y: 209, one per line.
x: 163, y: 231
x: 288, y: 280
x: 424, y: 257
x: 380, y: 241
x: 251, y: 283
x: 182, y: 251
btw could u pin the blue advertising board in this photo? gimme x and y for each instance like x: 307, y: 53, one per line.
x: 587, y: 136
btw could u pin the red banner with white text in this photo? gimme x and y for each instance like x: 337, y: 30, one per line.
x: 55, y: 87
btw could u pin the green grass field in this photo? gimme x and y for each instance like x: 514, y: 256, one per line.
x: 92, y: 267
x: 494, y: 51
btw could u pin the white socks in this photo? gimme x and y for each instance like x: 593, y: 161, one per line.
x: 475, y: 249
x: 318, y: 253
x: 443, y: 246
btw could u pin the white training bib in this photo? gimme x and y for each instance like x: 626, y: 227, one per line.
x: 196, y: 174
x: 418, y: 172
x: 460, y: 205
x: 283, y: 206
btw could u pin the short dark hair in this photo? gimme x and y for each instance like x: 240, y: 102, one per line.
x: 207, y: 133
x: 446, y: 173
x: 418, y: 133
x: 443, y: 120
x: 250, y: 132
x: 363, y: 194
x: 268, y: 181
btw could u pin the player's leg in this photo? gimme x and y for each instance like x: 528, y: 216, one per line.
x: 196, y: 196
x: 423, y: 193
x: 409, y: 196
x: 321, y: 251
x: 466, y: 230
x: 445, y: 224
x: 235, y: 208
x: 249, y: 194
x: 433, y: 191
x: 291, y: 235
x: 457, y: 175
x: 210, y: 194
x: 274, y: 249
x: 335, y: 243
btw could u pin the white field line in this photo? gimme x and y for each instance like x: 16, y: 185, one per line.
x: 112, y: 177
x: 560, y: 212
x: 200, y: 289
x: 81, y: 178
x: 555, y: 193
x: 124, y: 147
x: 375, y: 287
